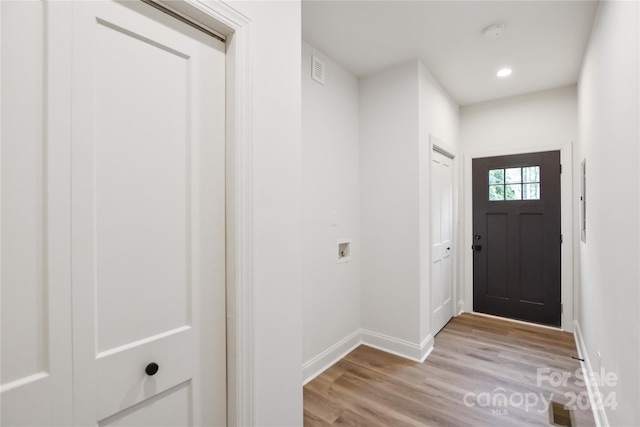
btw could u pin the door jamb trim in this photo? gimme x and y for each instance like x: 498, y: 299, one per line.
x: 566, y: 224
x: 237, y: 28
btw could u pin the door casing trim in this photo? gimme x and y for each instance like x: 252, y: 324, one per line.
x: 237, y: 29
x: 566, y: 221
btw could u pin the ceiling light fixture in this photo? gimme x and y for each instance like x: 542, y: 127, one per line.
x: 504, y: 72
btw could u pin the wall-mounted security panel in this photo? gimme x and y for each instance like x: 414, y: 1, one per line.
x: 344, y: 250
x: 583, y: 201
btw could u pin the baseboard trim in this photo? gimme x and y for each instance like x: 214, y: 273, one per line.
x: 330, y: 356
x: 426, y: 347
x: 460, y: 307
x: 599, y: 414
x: 396, y: 346
x: 316, y: 366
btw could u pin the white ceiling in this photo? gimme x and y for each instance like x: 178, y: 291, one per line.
x: 543, y: 41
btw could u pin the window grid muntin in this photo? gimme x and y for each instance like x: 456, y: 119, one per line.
x: 510, y: 184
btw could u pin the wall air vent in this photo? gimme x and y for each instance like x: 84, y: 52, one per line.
x: 317, y: 69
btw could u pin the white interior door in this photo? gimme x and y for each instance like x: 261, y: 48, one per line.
x: 35, y: 348
x: 441, y: 240
x: 148, y: 218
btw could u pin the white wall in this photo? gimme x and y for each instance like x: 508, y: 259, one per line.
x: 330, y: 182
x: 439, y: 116
x: 539, y: 121
x: 527, y: 121
x: 277, y: 298
x: 399, y: 108
x: 389, y: 131
x: 608, y: 138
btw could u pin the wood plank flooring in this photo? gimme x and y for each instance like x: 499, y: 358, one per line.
x: 482, y: 372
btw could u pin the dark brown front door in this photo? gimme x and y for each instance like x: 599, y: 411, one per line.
x: 516, y: 227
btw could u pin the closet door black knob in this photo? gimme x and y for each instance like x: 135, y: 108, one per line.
x: 151, y: 369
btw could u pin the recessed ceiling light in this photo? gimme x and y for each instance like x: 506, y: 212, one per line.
x: 504, y: 72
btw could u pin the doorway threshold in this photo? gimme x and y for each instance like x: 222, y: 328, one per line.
x: 492, y: 316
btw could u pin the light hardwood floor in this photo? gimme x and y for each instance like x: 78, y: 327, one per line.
x: 482, y: 372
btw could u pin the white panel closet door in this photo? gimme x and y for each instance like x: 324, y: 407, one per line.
x: 441, y: 238
x: 148, y: 218
x: 35, y: 340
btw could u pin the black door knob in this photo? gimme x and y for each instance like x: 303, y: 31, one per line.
x: 151, y: 369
